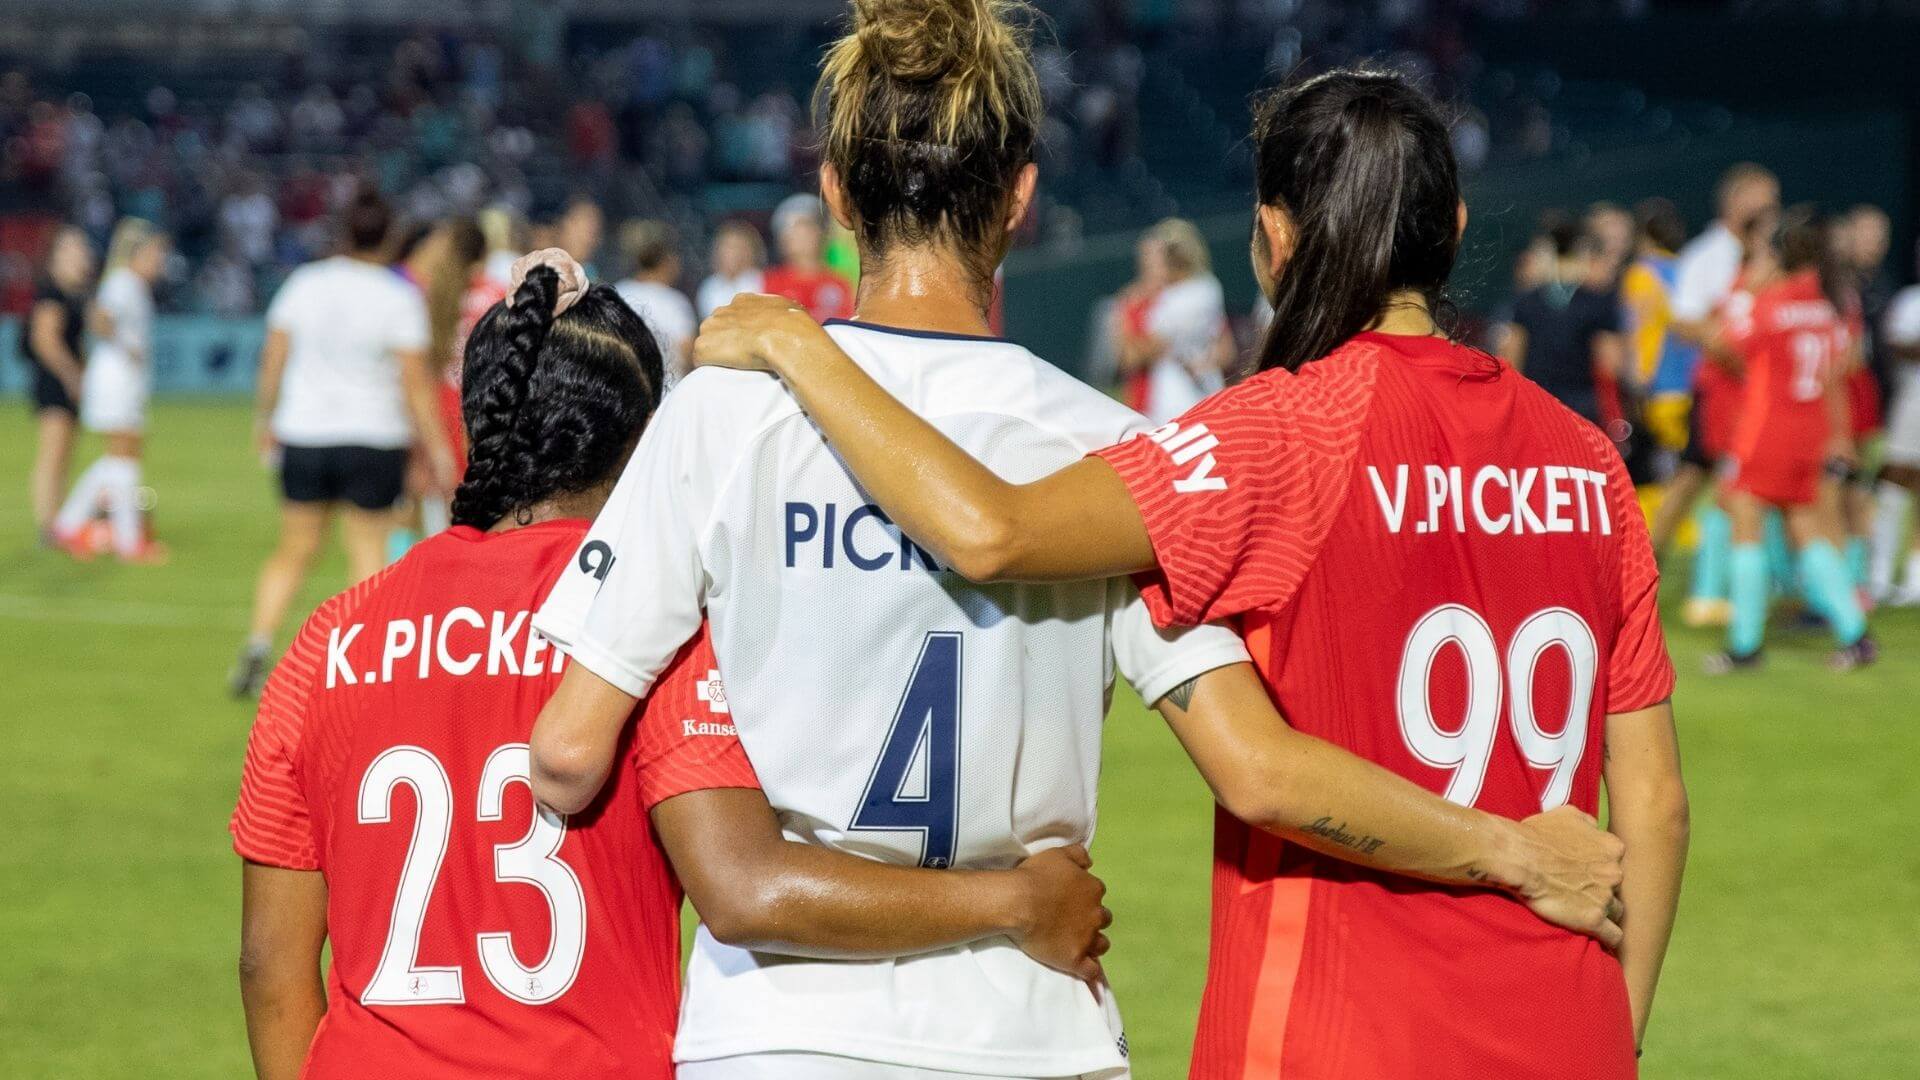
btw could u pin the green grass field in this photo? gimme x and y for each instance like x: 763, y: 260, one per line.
x: 1798, y: 953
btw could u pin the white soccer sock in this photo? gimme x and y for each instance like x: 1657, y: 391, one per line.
x: 123, y: 505
x: 84, y: 499
x: 1913, y: 571
x: 1891, y: 502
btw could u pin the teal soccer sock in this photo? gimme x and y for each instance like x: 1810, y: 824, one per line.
x: 1830, y: 589
x: 1780, y: 556
x: 1710, y: 556
x: 1748, y: 573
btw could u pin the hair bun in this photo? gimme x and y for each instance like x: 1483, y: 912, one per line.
x: 922, y: 40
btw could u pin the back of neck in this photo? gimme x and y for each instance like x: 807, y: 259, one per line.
x: 920, y: 289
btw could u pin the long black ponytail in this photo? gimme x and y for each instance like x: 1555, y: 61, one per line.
x: 552, y: 406
x: 1363, y: 166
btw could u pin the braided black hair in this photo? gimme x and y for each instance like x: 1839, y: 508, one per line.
x: 553, y: 406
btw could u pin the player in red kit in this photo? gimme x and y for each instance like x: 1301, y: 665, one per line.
x: 1793, y: 447
x: 802, y: 274
x: 1437, y: 567
x: 385, y: 806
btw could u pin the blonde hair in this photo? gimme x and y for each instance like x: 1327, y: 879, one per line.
x: 1185, y: 248
x: 930, y: 109
x: 129, y: 237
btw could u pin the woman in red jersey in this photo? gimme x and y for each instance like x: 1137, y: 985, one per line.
x: 1436, y: 567
x: 1793, y: 447
x: 473, y: 934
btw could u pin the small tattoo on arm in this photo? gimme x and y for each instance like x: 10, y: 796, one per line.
x: 1327, y: 829
x: 1182, y: 695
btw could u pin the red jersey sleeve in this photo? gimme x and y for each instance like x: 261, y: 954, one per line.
x: 686, y: 740
x: 1640, y: 673
x: 272, y: 824
x: 1238, y: 494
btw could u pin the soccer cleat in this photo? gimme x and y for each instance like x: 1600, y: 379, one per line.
x: 76, y: 544
x: 1855, y: 656
x: 1727, y: 663
x: 249, y: 673
x: 1905, y: 596
x: 1705, y: 613
x: 149, y: 553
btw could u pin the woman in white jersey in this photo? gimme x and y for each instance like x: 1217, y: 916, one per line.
x: 652, y: 290
x: 891, y: 709
x: 113, y: 395
x: 347, y: 386
x: 1180, y: 348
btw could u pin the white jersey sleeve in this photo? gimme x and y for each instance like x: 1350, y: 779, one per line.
x: 1707, y: 269
x: 411, y: 329
x: 289, y: 304
x: 1901, y: 326
x: 634, y: 591
x: 125, y: 299
x: 1155, y: 661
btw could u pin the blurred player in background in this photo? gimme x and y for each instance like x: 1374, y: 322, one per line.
x: 1125, y: 320
x: 113, y: 397
x: 1793, y: 449
x: 652, y: 289
x: 802, y: 275
x: 493, y: 938
x: 1747, y: 196
x: 1614, y: 234
x: 736, y: 259
x: 458, y: 251
x: 1857, y: 246
x: 1176, y: 339
x: 1361, y: 504
x: 56, y: 327
x: 1900, y: 456
x: 347, y: 387
x: 1565, y: 333
x: 1661, y: 363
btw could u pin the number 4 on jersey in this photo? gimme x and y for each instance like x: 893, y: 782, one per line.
x: 916, y: 781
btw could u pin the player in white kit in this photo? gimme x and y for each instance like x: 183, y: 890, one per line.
x: 113, y: 395
x: 890, y: 708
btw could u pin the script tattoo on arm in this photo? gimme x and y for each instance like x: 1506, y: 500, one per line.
x: 1328, y: 829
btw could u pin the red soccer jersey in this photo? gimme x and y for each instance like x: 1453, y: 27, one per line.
x: 1443, y: 570
x: 825, y: 294
x: 470, y: 936
x: 1789, y: 337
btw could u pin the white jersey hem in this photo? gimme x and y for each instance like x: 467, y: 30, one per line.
x: 969, y: 1059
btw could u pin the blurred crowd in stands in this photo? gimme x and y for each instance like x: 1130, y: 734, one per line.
x: 689, y: 125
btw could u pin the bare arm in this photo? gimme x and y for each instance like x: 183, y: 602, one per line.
x: 1647, y: 808
x: 1323, y: 797
x: 1610, y: 355
x: 46, y: 328
x: 575, y: 738
x: 273, y: 368
x: 283, y: 924
x: 418, y: 375
x: 758, y: 890
x: 1077, y: 523
x: 1840, y: 406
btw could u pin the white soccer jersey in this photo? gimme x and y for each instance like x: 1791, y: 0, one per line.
x: 890, y: 708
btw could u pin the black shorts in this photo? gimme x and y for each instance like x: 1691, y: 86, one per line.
x: 1695, y: 452
x: 368, y: 477
x: 50, y: 393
